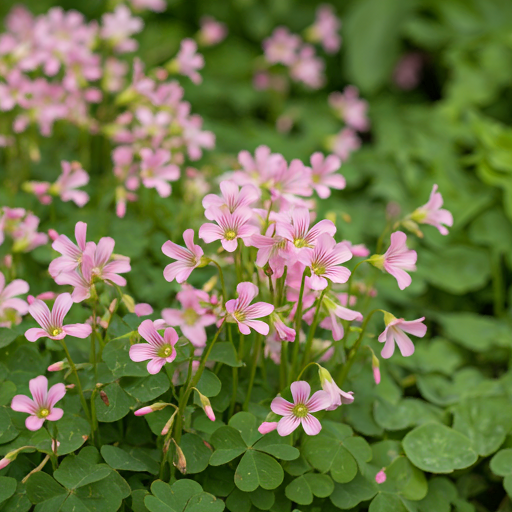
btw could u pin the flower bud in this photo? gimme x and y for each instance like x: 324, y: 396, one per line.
x: 267, y: 426
x: 377, y: 260
x: 158, y: 406
x: 104, y: 397
x: 205, y: 404
x: 376, y: 369
x: 179, y: 459
x: 57, y: 367
x: 129, y: 303
x: 380, y: 477
x: 168, y: 425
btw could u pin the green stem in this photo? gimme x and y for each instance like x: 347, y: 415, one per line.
x: 280, y: 287
x: 343, y: 372
x: 254, y: 365
x: 283, y: 369
x: 78, y: 384
x: 497, y: 284
x: 298, y: 323
x: 235, y: 377
x: 271, y: 288
x: 221, y: 276
x: 312, y: 329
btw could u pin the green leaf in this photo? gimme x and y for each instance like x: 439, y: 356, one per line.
x: 204, y: 502
x: 7, y: 336
x: 42, y: 487
x: 326, y: 454
x: 359, y: 448
x: 7, y: 391
x: 224, y: 352
x: 74, y: 472
x: 438, y: 449
x: 182, y: 495
x: 485, y: 421
x: 441, y: 492
x: 136, y: 459
x: 247, y: 425
x: 72, y: 432
x: 117, y: 357
x: 209, y: 384
x: 147, y: 388
x: 119, y: 404
x: 302, y: 489
x: 262, y: 499
x: 346, y: 496
x: 258, y: 469
x: 228, y: 445
x: 276, y: 445
x: 7, y: 487
x: 8, y: 431
x: 239, y: 501
x: 138, y: 496
x: 385, y: 502
x: 197, y: 454
x: 501, y: 463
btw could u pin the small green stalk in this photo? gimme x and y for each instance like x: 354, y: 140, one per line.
x: 254, y: 365
x: 312, y: 329
x: 298, y: 323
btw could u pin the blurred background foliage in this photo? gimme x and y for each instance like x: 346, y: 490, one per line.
x: 453, y: 129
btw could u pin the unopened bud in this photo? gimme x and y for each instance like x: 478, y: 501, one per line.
x: 70, y: 386
x: 210, y: 284
x: 158, y: 406
x: 206, y: 405
x: 380, y: 477
x: 377, y: 260
x: 104, y: 397
x: 57, y: 367
x: 376, y: 369
x: 53, y: 234
x: 267, y: 426
x: 179, y: 459
x: 268, y: 271
x: 129, y: 303
x: 168, y: 425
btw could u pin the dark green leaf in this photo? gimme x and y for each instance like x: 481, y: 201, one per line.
x: 7, y: 487
x: 209, y: 384
x: 258, y: 469
x: 228, y: 444
x: 277, y: 446
x: 147, y: 388
x: 74, y: 472
x: 196, y: 453
x: 132, y: 459
x: 119, y: 404
x: 224, y: 352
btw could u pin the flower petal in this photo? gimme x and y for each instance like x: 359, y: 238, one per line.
x: 22, y: 403
x: 300, y: 391
x: 287, y: 425
x: 281, y: 406
x: 311, y: 425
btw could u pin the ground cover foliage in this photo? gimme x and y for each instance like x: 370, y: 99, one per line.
x: 433, y: 435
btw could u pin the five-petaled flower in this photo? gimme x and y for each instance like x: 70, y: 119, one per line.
x: 395, y: 331
x: 432, y: 213
x: 187, y: 259
x: 42, y: 406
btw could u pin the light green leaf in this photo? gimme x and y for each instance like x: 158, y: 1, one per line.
x: 224, y: 352
x: 119, y: 404
x: 258, y: 469
x: 276, y: 445
x: 228, y: 444
x: 438, y: 449
x: 132, y: 459
x: 346, y: 496
x: 197, y: 454
x: 501, y: 463
x: 209, y: 384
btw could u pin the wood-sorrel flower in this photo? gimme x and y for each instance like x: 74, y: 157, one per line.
x: 394, y: 331
x: 232, y: 198
x: 323, y: 176
x: 159, y: 350
x: 432, y: 213
x: 338, y: 396
x: 52, y: 322
x: 397, y: 259
x: 300, y: 411
x: 244, y: 313
x: 41, y: 408
x: 187, y: 259
x: 10, y: 305
x: 71, y: 253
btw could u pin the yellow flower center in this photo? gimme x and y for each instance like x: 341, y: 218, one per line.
x: 300, y: 243
x: 300, y: 411
x: 190, y: 316
x: 318, y: 269
x: 43, y: 413
x: 165, y: 351
x: 230, y: 235
x: 56, y: 331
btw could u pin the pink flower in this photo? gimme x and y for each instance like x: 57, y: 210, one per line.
x: 308, y: 68
x: 159, y: 350
x: 359, y: 250
x: 350, y: 108
x: 376, y: 374
x: 9, y: 302
x: 157, y: 406
x: 152, y: 5
x: 281, y: 47
x: 272, y: 250
x: 143, y: 309
x: 193, y: 317
x: 188, y: 61
x: 397, y: 259
x: 337, y: 396
x: 57, y: 367
x: 119, y: 26
x: 231, y: 227
x: 395, y: 331
x: 52, y: 322
x: 267, y: 426
x: 284, y: 333
x: 432, y: 213
x: 42, y: 406
x: 187, y: 259
x: 25, y: 235
x: 337, y: 313
x: 380, y: 477
x: 212, y: 31
x: 71, y: 253
x: 300, y: 411
x: 155, y: 174
x: 325, y: 29
x: 244, y: 313
x: 291, y: 180
x: 344, y: 143
x: 324, y: 261
x: 98, y: 265
x: 322, y: 175
x: 260, y: 169
x: 407, y: 73
x: 232, y: 198
x: 72, y: 177
x: 300, y: 234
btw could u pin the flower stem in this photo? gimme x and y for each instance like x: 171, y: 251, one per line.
x: 235, y: 377
x: 298, y: 323
x: 221, y: 276
x: 254, y: 365
x: 78, y: 384
x: 312, y: 329
x: 343, y: 372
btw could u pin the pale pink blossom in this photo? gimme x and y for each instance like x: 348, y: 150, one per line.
x: 290, y: 180
x: 52, y: 322
x: 407, y: 72
x: 395, y: 331
x: 335, y: 314
x: 380, y: 477
x: 267, y: 426
x: 72, y: 177
x: 244, y: 313
x: 42, y: 296
x: 159, y: 350
x: 40, y: 189
x: 232, y: 198
x: 283, y: 332
x: 325, y: 29
x: 143, y: 309
x: 397, y: 259
x: 359, y: 250
x: 154, y: 172
x: 41, y: 406
x: 57, y: 367
x: 323, y: 176
x: 299, y: 412
x: 229, y: 228
x: 259, y: 169
x: 212, y: 31
x: 325, y: 262
x: 152, y: 5
x: 344, y: 143
x: 25, y: 235
x: 71, y: 253
x: 308, y: 68
x: 351, y: 108
x: 432, y: 213
x: 195, y: 138
x: 272, y: 250
x: 117, y: 27
x: 188, y: 61
x: 98, y: 265
x: 282, y: 47
x: 187, y: 258
x: 376, y: 374
x: 337, y: 395
x: 193, y: 317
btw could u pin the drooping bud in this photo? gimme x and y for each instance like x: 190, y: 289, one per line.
x: 57, y: 367
x: 376, y: 369
x: 179, y: 459
x: 158, y: 406
x: 388, y: 318
x: 210, y: 284
x: 267, y: 426
x: 168, y: 425
x: 129, y: 303
x: 206, y: 405
x: 104, y: 397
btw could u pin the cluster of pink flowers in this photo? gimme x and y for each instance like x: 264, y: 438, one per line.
x: 21, y: 226
x: 72, y: 178
x: 326, y: 29
x: 212, y: 32
x: 154, y: 136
